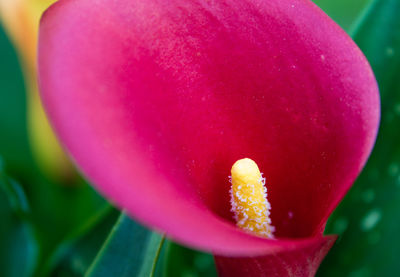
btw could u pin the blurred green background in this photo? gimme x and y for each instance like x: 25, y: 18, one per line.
x: 52, y: 228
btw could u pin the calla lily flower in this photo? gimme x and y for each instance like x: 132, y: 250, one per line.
x: 156, y: 100
x: 21, y: 21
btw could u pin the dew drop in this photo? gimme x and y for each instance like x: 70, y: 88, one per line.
x: 371, y: 219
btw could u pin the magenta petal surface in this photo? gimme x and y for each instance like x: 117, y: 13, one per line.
x: 155, y: 100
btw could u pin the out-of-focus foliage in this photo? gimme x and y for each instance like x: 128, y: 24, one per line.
x: 369, y: 216
x: 13, y: 139
x: 344, y: 12
x: 18, y: 245
x: 20, y: 19
x: 182, y: 261
x: 130, y: 250
x: 77, y: 252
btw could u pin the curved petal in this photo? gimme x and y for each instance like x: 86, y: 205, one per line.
x: 298, y: 262
x: 155, y: 100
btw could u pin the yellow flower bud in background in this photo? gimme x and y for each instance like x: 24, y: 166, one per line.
x: 20, y: 19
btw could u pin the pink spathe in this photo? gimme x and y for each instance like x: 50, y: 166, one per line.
x: 155, y: 100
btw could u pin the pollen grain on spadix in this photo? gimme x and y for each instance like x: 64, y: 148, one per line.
x: 249, y: 199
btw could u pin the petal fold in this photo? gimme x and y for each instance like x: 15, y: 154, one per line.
x: 302, y: 262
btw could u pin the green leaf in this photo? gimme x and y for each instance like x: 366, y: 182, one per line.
x: 60, y: 210
x: 182, y: 261
x: 18, y: 248
x: 75, y: 254
x: 369, y: 215
x: 14, y: 146
x: 130, y: 250
x: 14, y: 192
